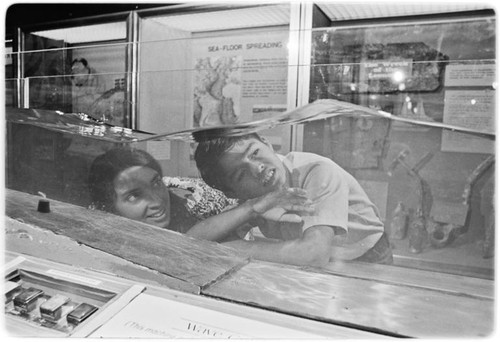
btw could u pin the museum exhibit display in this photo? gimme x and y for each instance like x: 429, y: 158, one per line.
x: 401, y: 97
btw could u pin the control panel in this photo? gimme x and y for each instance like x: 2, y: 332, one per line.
x: 50, y: 299
x: 57, y: 299
x: 44, y: 301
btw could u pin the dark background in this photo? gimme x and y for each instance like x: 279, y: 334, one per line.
x: 30, y: 14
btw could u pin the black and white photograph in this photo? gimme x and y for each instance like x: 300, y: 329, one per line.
x: 269, y: 170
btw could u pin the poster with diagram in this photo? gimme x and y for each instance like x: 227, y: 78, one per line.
x: 239, y: 78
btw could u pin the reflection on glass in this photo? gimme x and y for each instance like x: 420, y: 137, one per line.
x: 87, y: 85
x: 10, y: 93
x: 48, y: 87
x: 433, y: 186
x: 69, y: 72
x: 9, y: 63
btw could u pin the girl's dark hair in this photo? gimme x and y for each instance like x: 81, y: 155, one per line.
x: 208, y: 153
x: 106, y: 167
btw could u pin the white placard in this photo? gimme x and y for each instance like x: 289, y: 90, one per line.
x: 473, y: 109
x: 463, y: 75
x: 153, y: 317
x: 386, y: 70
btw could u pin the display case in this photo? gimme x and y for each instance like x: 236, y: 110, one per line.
x: 148, y: 282
x: 432, y: 73
x: 76, y: 70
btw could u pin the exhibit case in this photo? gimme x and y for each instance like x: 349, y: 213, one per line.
x: 431, y: 73
x: 401, y: 96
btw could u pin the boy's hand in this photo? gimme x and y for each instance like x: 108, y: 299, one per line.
x: 283, y: 205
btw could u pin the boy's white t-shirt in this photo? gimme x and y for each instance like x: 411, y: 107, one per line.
x: 339, y: 202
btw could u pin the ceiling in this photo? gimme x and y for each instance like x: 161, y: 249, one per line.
x: 356, y: 10
x: 235, y: 18
x: 23, y: 14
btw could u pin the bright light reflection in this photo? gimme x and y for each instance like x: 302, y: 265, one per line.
x: 398, y: 76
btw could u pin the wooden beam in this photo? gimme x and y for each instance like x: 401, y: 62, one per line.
x: 194, y: 261
x: 29, y: 240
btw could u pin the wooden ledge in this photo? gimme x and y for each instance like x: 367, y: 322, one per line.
x: 194, y: 261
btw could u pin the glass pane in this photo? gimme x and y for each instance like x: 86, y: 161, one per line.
x: 54, y: 163
x: 67, y: 70
x: 10, y: 81
x: 10, y: 93
x: 431, y: 76
x: 214, y: 68
x: 9, y: 63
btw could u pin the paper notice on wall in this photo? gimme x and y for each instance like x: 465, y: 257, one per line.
x: 474, y: 109
x: 468, y: 75
x: 234, y: 73
x: 153, y: 317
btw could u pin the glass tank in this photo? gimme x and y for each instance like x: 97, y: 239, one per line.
x: 405, y: 106
x: 78, y: 70
x: 428, y: 168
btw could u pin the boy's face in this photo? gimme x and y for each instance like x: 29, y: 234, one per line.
x: 251, y: 169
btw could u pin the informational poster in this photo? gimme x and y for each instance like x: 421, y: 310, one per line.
x: 153, y: 317
x: 474, y: 109
x: 239, y: 78
x: 459, y: 75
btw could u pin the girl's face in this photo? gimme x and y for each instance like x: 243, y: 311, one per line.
x: 142, y: 196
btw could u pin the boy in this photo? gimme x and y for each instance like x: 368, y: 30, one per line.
x: 344, y: 226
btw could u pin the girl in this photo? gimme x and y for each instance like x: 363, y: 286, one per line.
x: 129, y: 182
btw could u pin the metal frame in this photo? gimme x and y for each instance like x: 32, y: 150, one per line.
x: 303, y: 24
x: 131, y: 68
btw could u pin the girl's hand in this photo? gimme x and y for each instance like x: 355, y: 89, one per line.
x: 284, y: 205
